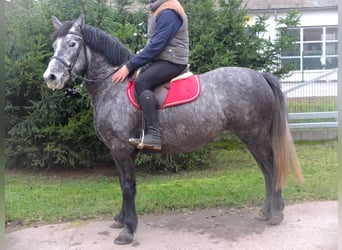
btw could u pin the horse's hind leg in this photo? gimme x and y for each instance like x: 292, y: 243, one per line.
x: 272, y: 210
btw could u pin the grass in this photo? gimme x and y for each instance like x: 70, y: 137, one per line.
x: 232, y: 180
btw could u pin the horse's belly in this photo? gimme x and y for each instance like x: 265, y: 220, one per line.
x: 185, y: 137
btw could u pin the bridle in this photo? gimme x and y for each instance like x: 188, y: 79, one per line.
x: 70, y: 66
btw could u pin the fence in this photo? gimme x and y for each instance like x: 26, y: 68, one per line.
x: 308, y: 120
x: 312, y: 104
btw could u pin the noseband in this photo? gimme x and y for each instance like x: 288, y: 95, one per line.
x: 69, y: 67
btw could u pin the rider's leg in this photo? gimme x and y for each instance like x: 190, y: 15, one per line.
x: 148, y: 104
x: 157, y: 73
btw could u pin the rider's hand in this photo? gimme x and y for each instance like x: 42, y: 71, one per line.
x: 120, y: 75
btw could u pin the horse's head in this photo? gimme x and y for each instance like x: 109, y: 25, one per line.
x: 70, y: 53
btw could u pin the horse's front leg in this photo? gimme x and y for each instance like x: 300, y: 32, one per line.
x: 119, y: 218
x: 126, y: 236
x: 128, y: 215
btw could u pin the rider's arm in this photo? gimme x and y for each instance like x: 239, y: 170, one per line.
x: 168, y: 23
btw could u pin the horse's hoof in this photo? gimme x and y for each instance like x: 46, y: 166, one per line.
x: 276, y: 219
x: 262, y: 216
x: 116, y: 225
x: 124, y: 238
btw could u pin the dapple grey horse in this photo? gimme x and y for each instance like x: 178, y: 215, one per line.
x: 241, y: 100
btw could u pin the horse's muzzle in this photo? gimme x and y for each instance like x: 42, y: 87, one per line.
x: 53, y: 80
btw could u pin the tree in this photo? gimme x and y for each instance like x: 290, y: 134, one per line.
x: 45, y: 128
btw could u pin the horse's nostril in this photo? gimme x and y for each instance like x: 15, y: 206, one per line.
x: 49, y: 77
x: 52, y: 77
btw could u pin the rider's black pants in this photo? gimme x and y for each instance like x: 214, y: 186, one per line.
x: 156, y: 74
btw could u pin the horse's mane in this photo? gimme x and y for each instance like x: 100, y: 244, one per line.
x: 111, y: 48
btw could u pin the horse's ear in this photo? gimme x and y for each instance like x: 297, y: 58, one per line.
x: 56, y: 23
x: 79, y: 23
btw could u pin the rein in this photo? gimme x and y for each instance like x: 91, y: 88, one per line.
x: 98, y: 79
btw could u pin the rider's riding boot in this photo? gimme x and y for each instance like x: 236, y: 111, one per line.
x: 151, y: 139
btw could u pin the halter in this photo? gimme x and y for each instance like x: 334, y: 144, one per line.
x: 69, y: 67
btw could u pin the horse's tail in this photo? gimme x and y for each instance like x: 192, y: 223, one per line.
x: 284, y: 153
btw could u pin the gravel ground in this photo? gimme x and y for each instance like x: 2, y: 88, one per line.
x: 306, y: 226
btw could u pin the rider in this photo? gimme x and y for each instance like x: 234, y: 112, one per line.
x: 167, y: 53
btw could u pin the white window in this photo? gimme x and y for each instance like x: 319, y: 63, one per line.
x: 315, y: 49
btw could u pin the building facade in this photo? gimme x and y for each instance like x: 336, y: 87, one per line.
x: 316, y: 36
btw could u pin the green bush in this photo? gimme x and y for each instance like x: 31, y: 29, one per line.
x: 155, y: 163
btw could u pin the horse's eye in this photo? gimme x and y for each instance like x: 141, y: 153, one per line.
x: 72, y: 44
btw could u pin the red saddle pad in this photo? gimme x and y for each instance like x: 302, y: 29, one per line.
x: 180, y: 92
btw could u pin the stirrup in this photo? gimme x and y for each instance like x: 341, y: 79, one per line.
x: 141, y: 145
x: 138, y: 142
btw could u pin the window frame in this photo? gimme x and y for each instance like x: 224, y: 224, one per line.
x: 323, y: 55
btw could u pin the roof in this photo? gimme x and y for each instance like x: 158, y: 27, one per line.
x: 288, y: 4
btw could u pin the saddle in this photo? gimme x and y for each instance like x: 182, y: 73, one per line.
x: 181, y: 89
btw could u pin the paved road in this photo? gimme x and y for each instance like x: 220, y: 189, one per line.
x: 307, y: 226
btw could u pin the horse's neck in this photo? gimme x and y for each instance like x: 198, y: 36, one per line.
x: 101, y: 71
x: 98, y: 67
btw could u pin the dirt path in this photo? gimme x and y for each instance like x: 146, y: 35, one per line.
x: 306, y: 226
